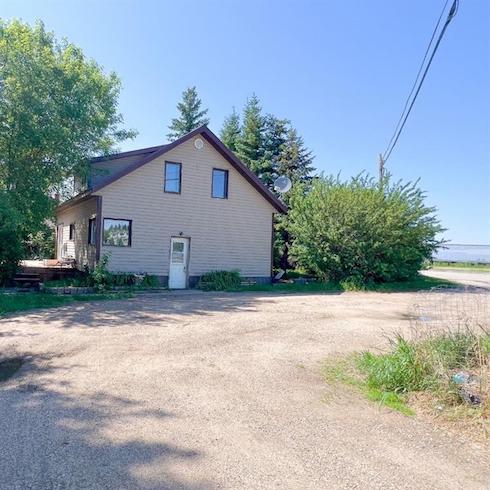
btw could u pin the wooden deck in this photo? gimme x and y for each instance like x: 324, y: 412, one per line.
x: 48, y: 269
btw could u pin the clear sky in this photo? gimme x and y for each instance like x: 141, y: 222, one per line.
x: 340, y: 70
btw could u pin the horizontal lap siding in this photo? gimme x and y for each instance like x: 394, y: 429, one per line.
x: 233, y: 233
x: 79, y: 247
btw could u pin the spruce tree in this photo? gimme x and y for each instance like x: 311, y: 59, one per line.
x: 250, y: 146
x: 191, y: 116
x: 231, y: 131
x: 275, y: 134
x: 295, y: 160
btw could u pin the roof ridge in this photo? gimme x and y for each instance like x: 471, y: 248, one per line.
x: 123, y: 154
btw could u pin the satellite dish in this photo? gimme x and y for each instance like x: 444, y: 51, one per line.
x: 198, y: 144
x: 282, y: 184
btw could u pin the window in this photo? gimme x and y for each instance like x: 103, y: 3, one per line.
x: 220, y: 184
x: 117, y: 232
x: 71, y: 233
x: 173, y: 177
x: 91, y: 231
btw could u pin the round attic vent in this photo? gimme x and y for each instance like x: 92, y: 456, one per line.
x: 198, y: 144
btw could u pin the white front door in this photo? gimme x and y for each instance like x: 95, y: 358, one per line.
x: 179, y: 258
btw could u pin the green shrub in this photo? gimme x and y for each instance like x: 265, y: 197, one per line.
x: 361, y: 231
x: 100, y: 277
x: 150, y: 281
x: 353, y: 283
x: 219, y: 281
x: 123, y: 279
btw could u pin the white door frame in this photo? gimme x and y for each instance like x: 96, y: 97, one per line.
x: 59, y: 241
x: 178, y: 267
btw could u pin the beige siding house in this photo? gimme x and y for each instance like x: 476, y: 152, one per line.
x: 175, y: 211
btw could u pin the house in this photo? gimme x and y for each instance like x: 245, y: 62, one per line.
x: 174, y: 211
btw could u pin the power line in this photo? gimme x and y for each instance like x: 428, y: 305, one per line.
x: 405, y: 113
x: 418, y: 75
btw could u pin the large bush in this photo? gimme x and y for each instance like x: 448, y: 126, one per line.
x: 10, y: 240
x: 362, y: 230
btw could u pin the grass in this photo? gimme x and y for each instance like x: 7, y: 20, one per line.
x: 419, y: 283
x: 423, y: 366
x: 15, y: 302
x: 346, y: 371
x: 470, y: 266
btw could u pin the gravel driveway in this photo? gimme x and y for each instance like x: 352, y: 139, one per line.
x: 212, y: 391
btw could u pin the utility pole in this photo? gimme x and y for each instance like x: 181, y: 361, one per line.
x: 381, y: 168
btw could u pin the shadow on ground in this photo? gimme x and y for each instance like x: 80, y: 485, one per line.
x: 51, y: 439
x: 143, y: 309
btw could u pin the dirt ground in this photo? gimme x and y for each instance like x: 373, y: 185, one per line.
x: 213, y: 391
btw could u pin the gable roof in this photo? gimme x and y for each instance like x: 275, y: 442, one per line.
x: 149, y: 154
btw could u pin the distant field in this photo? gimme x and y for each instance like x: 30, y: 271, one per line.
x: 473, y: 266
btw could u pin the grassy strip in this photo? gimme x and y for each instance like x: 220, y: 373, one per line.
x: 417, y: 284
x: 15, y: 302
x: 425, y: 366
x: 462, y: 265
x: 346, y: 371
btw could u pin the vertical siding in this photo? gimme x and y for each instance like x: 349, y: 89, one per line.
x: 78, y: 247
x: 233, y: 233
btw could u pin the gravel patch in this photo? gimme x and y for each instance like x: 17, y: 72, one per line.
x: 213, y: 391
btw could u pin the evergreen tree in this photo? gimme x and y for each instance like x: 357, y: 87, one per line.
x: 231, y: 131
x: 275, y: 134
x: 250, y: 146
x: 191, y: 116
x: 295, y: 160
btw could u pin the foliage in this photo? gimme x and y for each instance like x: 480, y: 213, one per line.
x: 190, y: 115
x: 426, y: 364
x: 10, y: 238
x: 270, y: 146
x: 401, y: 370
x: 40, y: 244
x: 219, y: 280
x: 230, y: 132
x: 361, y: 231
x: 150, y: 281
x: 418, y: 283
x: 422, y: 364
x: 57, y: 109
x: 100, y: 277
x: 250, y: 146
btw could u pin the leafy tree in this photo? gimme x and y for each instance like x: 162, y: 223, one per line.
x: 361, y: 231
x: 57, y: 109
x: 191, y: 116
x: 230, y: 132
x: 10, y: 238
x: 250, y: 146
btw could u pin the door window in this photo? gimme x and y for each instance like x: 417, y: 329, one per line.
x: 177, y: 252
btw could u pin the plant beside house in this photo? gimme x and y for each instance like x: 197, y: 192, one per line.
x: 361, y: 232
x: 219, y: 281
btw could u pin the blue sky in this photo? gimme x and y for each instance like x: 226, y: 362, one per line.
x: 340, y: 70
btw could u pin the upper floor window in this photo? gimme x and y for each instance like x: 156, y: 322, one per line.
x: 220, y: 184
x: 91, y: 231
x: 173, y: 177
x: 117, y: 232
x: 71, y: 232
